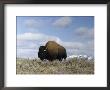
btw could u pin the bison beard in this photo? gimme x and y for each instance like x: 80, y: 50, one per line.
x: 52, y: 51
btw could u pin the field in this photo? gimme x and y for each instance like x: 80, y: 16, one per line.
x: 24, y: 66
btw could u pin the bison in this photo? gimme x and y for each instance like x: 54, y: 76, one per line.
x: 42, y: 54
x: 52, y: 51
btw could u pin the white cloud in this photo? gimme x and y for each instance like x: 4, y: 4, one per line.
x: 73, y: 52
x: 71, y: 45
x: 27, y: 53
x: 42, y: 38
x: 90, y: 45
x: 33, y: 24
x: 63, y: 21
x: 78, y: 48
x: 26, y: 44
x: 84, y: 32
x: 37, y: 37
x: 30, y: 42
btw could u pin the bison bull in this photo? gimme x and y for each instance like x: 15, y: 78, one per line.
x: 52, y: 51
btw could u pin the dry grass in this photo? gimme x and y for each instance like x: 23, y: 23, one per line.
x: 54, y: 67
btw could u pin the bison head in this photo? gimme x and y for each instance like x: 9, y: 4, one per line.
x: 42, y: 54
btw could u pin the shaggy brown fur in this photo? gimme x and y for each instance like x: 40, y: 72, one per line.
x: 55, y: 51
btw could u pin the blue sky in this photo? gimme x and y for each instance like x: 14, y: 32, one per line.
x: 75, y: 33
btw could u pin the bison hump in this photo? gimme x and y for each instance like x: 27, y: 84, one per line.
x: 49, y: 43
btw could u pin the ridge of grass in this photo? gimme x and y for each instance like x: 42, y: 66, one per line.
x: 54, y: 67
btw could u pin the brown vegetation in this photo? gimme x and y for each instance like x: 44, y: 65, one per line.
x: 54, y: 67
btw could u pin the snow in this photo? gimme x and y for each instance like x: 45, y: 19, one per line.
x: 79, y: 57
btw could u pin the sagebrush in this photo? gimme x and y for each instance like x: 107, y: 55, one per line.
x: 24, y: 66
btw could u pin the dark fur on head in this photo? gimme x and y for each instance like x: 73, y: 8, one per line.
x: 42, y: 54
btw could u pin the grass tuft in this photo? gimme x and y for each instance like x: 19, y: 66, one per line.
x: 54, y: 67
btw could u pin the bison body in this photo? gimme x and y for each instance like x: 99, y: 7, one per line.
x: 61, y: 53
x: 52, y: 51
